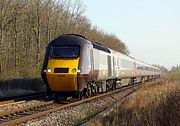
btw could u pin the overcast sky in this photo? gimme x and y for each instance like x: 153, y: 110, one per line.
x: 150, y: 28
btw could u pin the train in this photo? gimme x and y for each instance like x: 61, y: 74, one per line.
x: 76, y: 66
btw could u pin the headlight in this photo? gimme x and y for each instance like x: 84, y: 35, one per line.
x: 79, y: 70
x: 73, y: 70
x: 49, y: 70
x: 44, y: 70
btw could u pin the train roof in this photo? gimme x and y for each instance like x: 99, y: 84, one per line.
x: 77, y: 39
x: 70, y: 39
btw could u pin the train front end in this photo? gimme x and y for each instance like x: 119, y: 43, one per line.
x: 62, y: 68
x: 62, y: 65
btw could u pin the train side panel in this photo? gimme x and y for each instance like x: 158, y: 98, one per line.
x: 126, y: 69
x: 101, y: 61
x: 140, y: 68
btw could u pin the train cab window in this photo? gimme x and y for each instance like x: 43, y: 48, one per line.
x: 68, y: 51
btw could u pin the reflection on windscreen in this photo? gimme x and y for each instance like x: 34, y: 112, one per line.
x: 65, y: 51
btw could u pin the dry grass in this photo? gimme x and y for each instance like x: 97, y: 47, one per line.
x: 173, y: 76
x: 155, y: 104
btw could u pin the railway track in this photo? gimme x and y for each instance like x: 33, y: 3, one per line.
x: 21, y: 97
x: 5, y: 101
x: 18, y: 116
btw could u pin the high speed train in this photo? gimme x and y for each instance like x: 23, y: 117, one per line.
x: 76, y: 66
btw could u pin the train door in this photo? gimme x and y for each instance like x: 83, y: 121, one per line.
x: 114, y: 67
x: 92, y: 63
x: 109, y: 66
x: 117, y: 66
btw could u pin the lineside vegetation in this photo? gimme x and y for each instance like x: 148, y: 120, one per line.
x: 155, y: 104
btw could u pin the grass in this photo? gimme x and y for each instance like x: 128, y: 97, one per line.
x: 173, y: 75
x: 155, y: 104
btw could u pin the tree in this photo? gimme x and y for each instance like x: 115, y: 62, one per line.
x: 26, y: 26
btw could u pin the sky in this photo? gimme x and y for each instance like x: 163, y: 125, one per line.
x: 149, y: 28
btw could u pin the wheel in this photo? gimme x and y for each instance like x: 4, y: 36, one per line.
x: 114, y: 84
x: 55, y: 96
x: 98, y: 89
x: 88, y: 92
x: 102, y: 90
x: 107, y: 87
x: 93, y: 89
x: 80, y: 95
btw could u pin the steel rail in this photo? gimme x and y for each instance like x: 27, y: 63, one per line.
x: 42, y: 113
x: 11, y: 103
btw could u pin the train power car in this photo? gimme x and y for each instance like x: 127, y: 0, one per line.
x: 75, y: 66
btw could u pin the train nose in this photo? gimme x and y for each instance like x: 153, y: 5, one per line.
x: 62, y: 82
x: 62, y: 75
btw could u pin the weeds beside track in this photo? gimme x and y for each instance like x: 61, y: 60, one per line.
x: 156, y: 103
